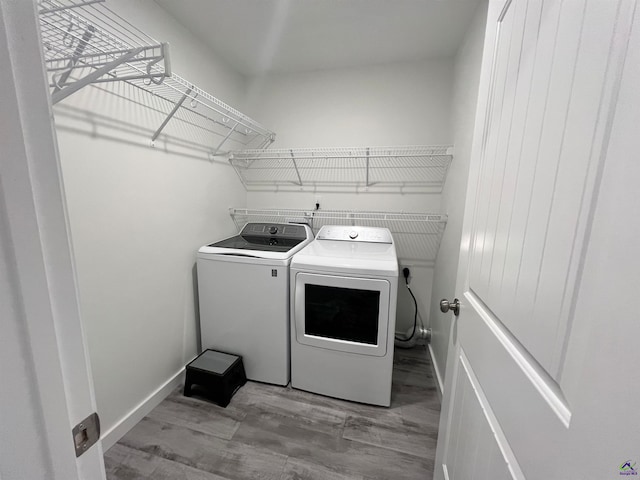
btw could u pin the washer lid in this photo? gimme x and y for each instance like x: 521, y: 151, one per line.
x: 263, y: 240
x: 261, y: 243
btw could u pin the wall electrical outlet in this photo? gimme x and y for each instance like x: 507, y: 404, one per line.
x: 409, y: 267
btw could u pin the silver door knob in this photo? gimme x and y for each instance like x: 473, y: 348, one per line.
x: 454, y: 306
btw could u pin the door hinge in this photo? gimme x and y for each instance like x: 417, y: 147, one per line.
x: 86, y: 433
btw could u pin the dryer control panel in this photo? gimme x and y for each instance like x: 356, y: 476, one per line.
x: 355, y: 234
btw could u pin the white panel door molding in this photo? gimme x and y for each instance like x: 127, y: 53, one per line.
x: 45, y: 317
x: 528, y: 372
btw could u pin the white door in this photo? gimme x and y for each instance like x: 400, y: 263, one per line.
x: 542, y: 376
x: 46, y: 381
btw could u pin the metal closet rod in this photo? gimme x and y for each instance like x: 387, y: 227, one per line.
x: 405, y: 151
x: 241, y: 155
x: 84, y: 3
x: 343, y: 214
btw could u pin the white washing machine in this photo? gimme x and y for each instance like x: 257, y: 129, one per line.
x: 243, y: 288
x: 343, y: 313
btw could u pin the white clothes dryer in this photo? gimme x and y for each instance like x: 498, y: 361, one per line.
x: 343, y: 311
x: 243, y: 289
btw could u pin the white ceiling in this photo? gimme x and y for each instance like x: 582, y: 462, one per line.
x: 263, y: 36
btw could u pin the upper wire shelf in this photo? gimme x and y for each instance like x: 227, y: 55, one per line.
x: 416, y: 235
x: 87, y: 43
x: 403, y: 168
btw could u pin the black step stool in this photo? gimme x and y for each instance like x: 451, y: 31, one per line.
x: 219, y: 375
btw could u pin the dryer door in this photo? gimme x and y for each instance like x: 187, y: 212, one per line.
x: 348, y: 314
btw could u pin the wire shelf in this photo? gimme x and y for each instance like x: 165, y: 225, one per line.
x: 416, y: 235
x: 418, y: 167
x: 87, y: 43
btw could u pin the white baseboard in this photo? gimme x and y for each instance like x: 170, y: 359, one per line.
x: 436, y: 373
x: 126, y: 423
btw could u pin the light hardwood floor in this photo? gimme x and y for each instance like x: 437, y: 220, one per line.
x: 270, y: 432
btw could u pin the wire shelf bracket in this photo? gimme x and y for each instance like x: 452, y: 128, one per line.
x: 60, y: 93
x: 79, y: 51
x: 171, y: 114
x: 403, y: 169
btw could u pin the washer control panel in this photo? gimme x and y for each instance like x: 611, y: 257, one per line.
x: 355, y: 234
x: 274, y: 230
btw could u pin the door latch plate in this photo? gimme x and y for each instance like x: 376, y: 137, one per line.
x: 86, y: 433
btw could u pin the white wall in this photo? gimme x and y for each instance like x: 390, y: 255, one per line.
x: 137, y: 216
x: 394, y: 104
x: 467, y: 77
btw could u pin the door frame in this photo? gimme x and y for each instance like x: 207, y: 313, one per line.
x: 487, y: 67
x: 37, y: 239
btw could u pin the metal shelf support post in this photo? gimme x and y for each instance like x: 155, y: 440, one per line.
x: 171, y: 114
x: 233, y: 129
x: 367, y: 168
x: 295, y: 165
